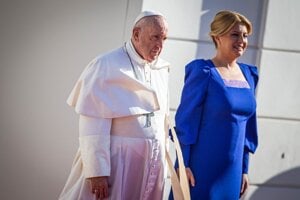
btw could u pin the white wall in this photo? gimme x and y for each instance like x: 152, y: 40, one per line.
x: 44, y: 47
x: 276, y: 166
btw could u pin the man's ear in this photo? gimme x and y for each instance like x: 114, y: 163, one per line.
x: 136, y: 33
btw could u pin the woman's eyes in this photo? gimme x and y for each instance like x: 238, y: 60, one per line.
x: 238, y: 35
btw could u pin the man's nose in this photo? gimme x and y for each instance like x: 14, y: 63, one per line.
x: 160, y: 43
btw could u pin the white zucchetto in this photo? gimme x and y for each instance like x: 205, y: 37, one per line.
x: 147, y: 13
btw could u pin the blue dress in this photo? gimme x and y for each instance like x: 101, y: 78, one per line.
x: 216, y: 126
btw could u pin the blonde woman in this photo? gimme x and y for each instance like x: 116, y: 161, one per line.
x: 216, y: 118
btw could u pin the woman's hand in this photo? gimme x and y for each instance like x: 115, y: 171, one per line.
x: 190, y: 176
x: 245, y: 184
x: 99, y: 186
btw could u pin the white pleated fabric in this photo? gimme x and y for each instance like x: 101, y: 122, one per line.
x: 135, y: 166
x: 114, y: 140
x: 108, y: 88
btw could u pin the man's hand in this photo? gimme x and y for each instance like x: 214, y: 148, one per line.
x: 99, y: 186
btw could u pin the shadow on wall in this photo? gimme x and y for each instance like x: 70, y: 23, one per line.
x: 283, y: 186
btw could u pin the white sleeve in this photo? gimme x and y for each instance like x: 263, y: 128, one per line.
x: 94, y: 143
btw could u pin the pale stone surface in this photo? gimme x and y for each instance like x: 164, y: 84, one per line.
x: 277, y: 154
x: 282, y: 25
x: 278, y: 92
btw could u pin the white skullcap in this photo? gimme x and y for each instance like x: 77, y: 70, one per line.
x: 147, y: 13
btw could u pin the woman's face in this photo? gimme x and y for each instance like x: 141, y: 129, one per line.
x: 150, y: 40
x: 234, y: 42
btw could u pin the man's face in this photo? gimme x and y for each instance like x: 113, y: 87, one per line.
x: 150, y: 40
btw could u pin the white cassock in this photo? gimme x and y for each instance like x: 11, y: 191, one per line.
x: 116, y: 97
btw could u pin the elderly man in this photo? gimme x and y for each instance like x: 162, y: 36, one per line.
x: 122, y: 100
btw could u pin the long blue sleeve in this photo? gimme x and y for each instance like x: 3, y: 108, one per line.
x: 188, y: 115
x: 251, y: 139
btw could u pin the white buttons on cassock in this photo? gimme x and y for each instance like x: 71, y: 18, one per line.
x: 155, y: 167
x: 147, y: 73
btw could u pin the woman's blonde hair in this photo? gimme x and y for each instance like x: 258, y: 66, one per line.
x: 224, y: 21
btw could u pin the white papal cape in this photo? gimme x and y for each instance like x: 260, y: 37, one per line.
x: 121, y: 91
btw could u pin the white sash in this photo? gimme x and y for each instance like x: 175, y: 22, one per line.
x: 180, y: 186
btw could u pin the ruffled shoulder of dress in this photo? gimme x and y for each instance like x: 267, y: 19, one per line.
x: 199, y: 66
x: 253, y: 71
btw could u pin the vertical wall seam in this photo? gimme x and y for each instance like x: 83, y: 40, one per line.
x: 125, y: 20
